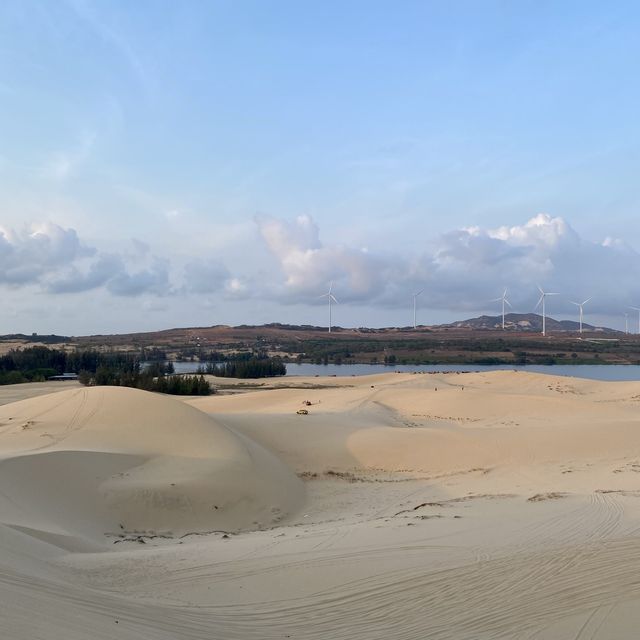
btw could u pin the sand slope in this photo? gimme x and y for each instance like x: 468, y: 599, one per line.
x: 96, y: 461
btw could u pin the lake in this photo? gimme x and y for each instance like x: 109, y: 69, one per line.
x: 609, y: 372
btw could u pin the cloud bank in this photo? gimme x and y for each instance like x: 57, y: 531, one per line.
x: 475, y: 263
x: 460, y: 270
x: 55, y: 260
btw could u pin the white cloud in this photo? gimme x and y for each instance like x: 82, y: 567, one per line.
x: 542, y: 231
x: 96, y: 274
x: 475, y: 263
x: 56, y: 260
x: 460, y: 270
x: 307, y: 266
x: 153, y: 279
x: 463, y: 269
x: 29, y: 254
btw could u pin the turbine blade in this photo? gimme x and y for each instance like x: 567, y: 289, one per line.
x: 539, y: 302
x: 334, y: 299
x: 508, y: 303
x: 587, y: 300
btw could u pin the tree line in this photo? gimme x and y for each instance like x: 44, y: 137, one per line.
x: 148, y: 380
x: 254, y: 367
x: 114, y: 368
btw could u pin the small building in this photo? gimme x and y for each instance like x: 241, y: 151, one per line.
x: 64, y: 376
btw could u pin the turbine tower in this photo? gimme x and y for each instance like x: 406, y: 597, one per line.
x: 626, y: 323
x: 580, y: 305
x: 543, y: 298
x: 332, y: 299
x: 638, y: 310
x: 504, y: 301
x: 415, y: 295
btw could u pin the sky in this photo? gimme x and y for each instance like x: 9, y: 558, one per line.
x: 195, y: 163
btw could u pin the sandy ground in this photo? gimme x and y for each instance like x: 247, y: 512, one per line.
x: 481, y: 505
x: 15, y: 392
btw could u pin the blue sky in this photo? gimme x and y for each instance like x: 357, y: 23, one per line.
x: 168, y: 163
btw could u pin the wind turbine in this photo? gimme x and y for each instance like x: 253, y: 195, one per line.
x: 543, y: 298
x: 638, y: 310
x: 580, y: 305
x: 504, y: 301
x: 415, y: 295
x: 332, y: 299
x: 626, y: 323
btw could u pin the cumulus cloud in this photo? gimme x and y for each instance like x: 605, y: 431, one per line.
x: 29, y: 254
x: 55, y: 259
x: 97, y: 274
x: 153, y: 279
x: 472, y: 264
x: 307, y: 266
x: 462, y: 269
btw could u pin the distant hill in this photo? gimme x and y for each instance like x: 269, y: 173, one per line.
x: 275, y: 335
x: 35, y: 337
x: 525, y: 322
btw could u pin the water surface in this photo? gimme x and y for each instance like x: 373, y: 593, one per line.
x: 609, y: 372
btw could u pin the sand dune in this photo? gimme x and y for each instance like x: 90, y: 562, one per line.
x: 400, y: 422
x: 509, y: 508
x: 99, y: 462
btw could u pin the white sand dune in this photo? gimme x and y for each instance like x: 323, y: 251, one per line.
x: 509, y: 508
x: 399, y: 422
x: 89, y: 462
